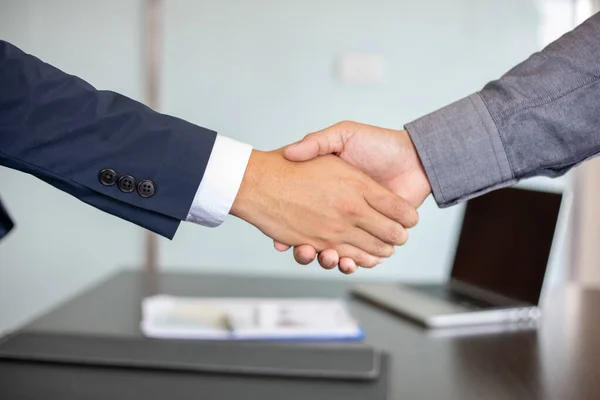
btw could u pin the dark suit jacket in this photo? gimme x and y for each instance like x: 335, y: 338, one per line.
x: 105, y: 149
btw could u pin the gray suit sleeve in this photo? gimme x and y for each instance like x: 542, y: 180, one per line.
x: 540, y: 118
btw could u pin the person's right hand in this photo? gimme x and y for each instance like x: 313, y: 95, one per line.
x: 325, y: 203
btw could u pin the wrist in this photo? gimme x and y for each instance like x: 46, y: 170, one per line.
x: 419, y: 168
x: 416, y: 176
x: 245, y: 204
x: 242, y: 199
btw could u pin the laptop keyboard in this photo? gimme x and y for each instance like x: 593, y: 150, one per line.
x: 444, y: 293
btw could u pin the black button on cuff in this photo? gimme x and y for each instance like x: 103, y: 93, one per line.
x: 127, y: 183
x: 146, y: 188
x: 108, y: 177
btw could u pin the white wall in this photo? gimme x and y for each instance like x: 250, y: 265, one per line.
x: 262, y: 72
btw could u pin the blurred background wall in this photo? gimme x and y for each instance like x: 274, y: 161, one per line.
x: 263, y: 72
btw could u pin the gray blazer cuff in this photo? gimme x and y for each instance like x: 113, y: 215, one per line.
x: 461, y: 151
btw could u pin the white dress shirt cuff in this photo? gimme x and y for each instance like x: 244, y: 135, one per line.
x: 220, y: 183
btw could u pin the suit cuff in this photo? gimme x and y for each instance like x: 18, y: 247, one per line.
x: 462, y: 151
x: 221, y: 182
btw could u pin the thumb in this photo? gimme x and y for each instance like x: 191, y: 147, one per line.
x: 319, y: 143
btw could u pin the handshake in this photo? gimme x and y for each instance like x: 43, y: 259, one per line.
x: 348, y: 193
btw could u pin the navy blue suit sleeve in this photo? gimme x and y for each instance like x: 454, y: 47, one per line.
x: 62, y: 130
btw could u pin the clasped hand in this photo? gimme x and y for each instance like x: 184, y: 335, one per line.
x: 352, y: 208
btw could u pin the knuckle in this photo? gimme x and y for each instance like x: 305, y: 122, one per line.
x: 395, y: 234
x: 337, y: 230
x: 400, y: 209
x: 360, y: 258
x: 385, y: 250
x: 321, y: 244
x: 344, y: 123
x: 405, y: 214
x: 412, y: 217
x: 389, y: 251
x: 347, y: 207
x: 365, y: 186
x: 346, y: 126
x: 403, y: 238
x: 368, y: 262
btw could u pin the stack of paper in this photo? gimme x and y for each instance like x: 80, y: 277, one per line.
x: 248, y: 319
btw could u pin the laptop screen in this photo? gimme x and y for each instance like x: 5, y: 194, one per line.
x: 505, y: 242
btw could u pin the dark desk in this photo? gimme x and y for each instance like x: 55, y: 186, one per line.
x: 560, y: 360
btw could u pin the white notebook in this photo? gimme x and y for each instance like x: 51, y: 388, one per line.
x: 248, y: 319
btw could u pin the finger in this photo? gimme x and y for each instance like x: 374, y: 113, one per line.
x: 370, y: 244
x: 329, y: 258
x: 359, y: 257
x: 392, y: 206
x: 304, y: 254
x: 326, y: 141
x: 347, y: 266
x: 383, y: 228
x: 281, y: 246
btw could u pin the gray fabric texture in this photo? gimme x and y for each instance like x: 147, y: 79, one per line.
x: 541, y: 118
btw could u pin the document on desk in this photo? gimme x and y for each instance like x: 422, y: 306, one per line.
x: 248, y: 319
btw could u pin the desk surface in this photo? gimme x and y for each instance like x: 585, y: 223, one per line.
x: 560, y: 360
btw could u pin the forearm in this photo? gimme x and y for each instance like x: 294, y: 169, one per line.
x: 62, y: 130
x: 540, y: 118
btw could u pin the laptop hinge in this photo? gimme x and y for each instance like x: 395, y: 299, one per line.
x: 484, y: 294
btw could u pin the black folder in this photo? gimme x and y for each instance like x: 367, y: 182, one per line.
x: 50, y: 365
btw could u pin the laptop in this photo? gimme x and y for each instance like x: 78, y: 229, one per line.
x: 499, y: 267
